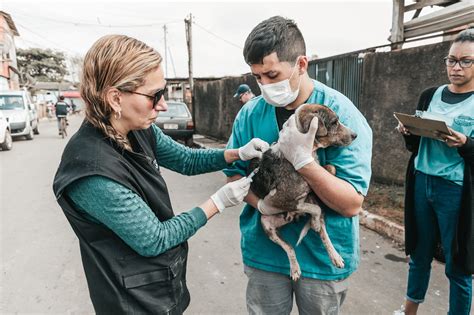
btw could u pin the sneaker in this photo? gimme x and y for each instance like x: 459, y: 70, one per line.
x: 401, y: 311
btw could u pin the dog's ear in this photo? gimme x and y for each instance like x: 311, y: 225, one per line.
x: 322, y: 130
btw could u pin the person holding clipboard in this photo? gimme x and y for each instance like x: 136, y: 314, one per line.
x: 439, y: 197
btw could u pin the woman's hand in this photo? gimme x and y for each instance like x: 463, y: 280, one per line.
x: 455, y: 140
x: 401, y: 129
x: 231, y: 194
x: 253, y: 149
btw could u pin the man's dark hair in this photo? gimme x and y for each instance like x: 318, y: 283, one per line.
x: 465, y: 36
x: 275, y: 34
x: 61, y: 98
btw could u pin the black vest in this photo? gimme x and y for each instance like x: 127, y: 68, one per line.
x: 120, y: 280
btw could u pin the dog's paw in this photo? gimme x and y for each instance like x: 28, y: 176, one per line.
x: 316, y: 226
x: 295, y: 272
x: 337, y: 261
x: 330, y: 168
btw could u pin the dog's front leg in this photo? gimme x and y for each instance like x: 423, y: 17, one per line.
x: 270, y: 224
x: 321, y: 226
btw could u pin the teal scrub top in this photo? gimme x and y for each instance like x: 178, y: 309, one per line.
x: 434, y: 156
x: 353, y: 164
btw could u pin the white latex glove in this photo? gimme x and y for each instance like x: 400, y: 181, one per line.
x: 253, y: 149
x: 297, y: 147
x: 231, y: 194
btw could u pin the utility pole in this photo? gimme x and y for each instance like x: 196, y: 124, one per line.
x: 397, y: 35
x: 189, y: 40
x: 166, y: 54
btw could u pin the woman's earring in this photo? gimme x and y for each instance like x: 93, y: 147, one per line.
x: 118, y: 115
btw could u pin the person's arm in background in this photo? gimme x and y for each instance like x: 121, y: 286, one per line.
x: 127, y: 215
x: 187, y: 161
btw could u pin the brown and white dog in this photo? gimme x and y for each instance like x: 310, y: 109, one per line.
x: 286, y: 190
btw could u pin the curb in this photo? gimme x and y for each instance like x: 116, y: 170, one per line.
x: 383, y: 226
x: 369, y: 220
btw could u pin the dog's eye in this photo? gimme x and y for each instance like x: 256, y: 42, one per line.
x: 334, y: 121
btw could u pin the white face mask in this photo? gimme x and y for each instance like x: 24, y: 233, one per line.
x: 280, y: 94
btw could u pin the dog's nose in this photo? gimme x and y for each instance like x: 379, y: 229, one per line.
x: 353, y: 135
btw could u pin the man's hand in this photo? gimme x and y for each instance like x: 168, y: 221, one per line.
x: 253, y: 149
x: 456, y: 139
x: 297, y: 147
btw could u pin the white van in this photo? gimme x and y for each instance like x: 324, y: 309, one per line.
x: 5, y: 135
x: 21, y: 113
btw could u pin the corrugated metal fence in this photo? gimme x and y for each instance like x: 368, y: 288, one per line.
x: 342, y: 73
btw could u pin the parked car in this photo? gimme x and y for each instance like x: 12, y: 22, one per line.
x: 177, y: 122
x: 6, y: 142
x: 21, y: 113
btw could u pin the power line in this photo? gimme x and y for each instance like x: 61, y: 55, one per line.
x: 44, y: 38
x: 99, y: 24
x: 213, y: 34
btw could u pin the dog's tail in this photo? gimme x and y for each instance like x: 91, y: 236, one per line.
x: 304, y: 231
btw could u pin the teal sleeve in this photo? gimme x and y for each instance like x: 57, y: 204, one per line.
x: 128, y: 216
x: 238, y: 167
x: 184, y: 160
x: 352, y: 163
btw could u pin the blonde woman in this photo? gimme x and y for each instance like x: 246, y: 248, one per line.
x: 110, y: 187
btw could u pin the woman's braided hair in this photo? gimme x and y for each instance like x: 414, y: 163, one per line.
x: 114, y: 61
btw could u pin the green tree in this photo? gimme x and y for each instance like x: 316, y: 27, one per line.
x: 42, y: 64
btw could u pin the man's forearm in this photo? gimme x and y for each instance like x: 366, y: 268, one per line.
x: 336, y: 193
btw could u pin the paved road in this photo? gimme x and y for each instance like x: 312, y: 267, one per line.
x: 40, y: 264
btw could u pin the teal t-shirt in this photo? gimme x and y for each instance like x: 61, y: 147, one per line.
x: 434, y: 156
x: 257, y: 119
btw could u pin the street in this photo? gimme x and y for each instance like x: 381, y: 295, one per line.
x: 41, y: 270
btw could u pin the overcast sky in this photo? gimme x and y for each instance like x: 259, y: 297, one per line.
x: 220, y: 29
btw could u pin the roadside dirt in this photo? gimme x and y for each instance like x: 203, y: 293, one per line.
x: 386, y: 201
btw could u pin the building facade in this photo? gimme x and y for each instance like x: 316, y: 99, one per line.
x: 9, y: 74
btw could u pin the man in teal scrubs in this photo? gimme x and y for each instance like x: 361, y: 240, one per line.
x: 276, y: 53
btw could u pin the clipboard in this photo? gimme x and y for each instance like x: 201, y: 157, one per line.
x: 424, y: 127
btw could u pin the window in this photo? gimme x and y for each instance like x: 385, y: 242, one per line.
x: 11, y: 102
x: 176, y: 110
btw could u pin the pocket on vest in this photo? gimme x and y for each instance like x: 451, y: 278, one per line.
x: 159, y: 291
x: 142, y: 279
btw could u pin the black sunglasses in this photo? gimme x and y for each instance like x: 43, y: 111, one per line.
x: 155, y: 97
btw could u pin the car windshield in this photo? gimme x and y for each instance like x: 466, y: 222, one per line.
x: 176, y: 110
x: 11, y: 102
